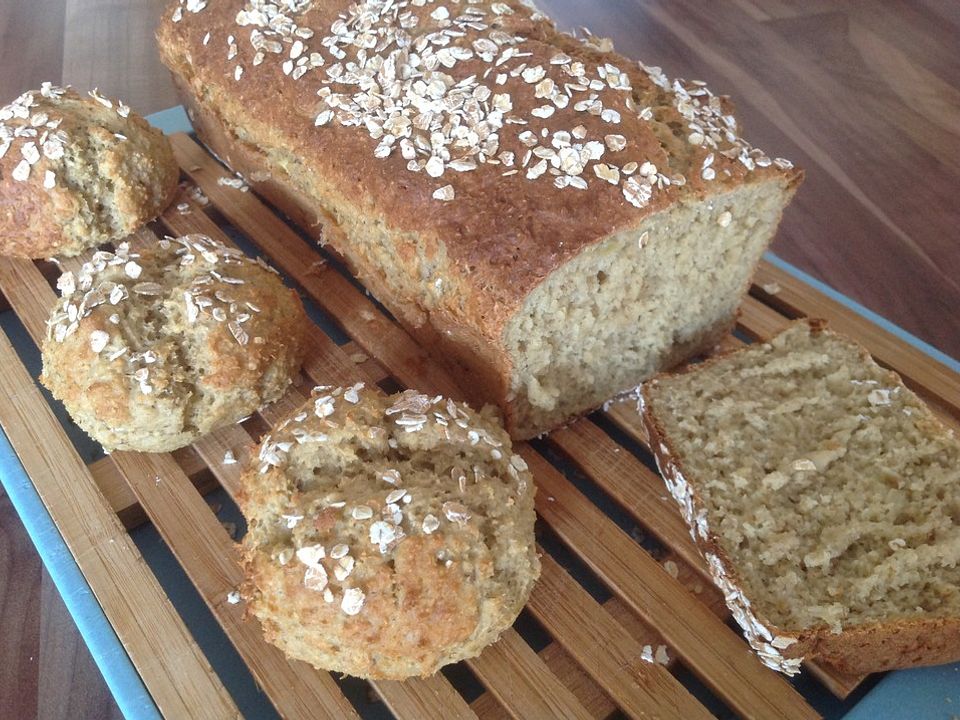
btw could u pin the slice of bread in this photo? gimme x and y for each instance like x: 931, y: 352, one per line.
x: 825, y: 497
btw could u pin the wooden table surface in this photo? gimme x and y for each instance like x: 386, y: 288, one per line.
x: 861, y: 93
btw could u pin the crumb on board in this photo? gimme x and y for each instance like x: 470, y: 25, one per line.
x: 658, y: 656
x: 672, y: 569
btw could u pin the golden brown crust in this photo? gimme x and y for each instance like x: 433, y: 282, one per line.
x: 152, y: 348
x: 77, y: 172
x: 856, y: 649
x: 505, y: 233
x: 879, y: 647
x: 387, y: 537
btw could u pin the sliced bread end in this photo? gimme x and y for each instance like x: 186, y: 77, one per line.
x: 837, y: 535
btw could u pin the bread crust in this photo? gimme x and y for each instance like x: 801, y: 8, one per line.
x: 99, y: 172
x: 367, y: 552
x: 859, y: 649
x: 152, y: 347
x: 454, y: 272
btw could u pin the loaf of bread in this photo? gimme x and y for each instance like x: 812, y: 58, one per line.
x: 77, y: 172
x: 387, y: 536
x: 825, y: 497
x: 554, y: 221
x: 151, y: 347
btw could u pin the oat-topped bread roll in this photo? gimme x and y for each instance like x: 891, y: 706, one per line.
x: 553, y: 220
x: 77, y: 172
x: 825, y: 497
x: 387, y: 536
x: 151, y: 348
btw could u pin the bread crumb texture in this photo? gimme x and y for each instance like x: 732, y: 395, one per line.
x: 77, y: 172
x: 563, y: 220
x: 825, y: 494
x: 150, y: 348
x: 387, y: 536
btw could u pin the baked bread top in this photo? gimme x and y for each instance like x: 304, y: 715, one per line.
x: 77, y: 172
x: 150, y: 348
x: 824, y: 494
x: 387, y: 536
x: 472, y: 122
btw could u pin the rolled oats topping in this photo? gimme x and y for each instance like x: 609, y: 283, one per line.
x: 32, y: 132
x: 31, y: 127
x: 450, y: 87
x: 114, y: 278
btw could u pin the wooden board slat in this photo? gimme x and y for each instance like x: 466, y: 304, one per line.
x: 431, y: 698
x: 607, y: 652
x: 120, y: 497
x: 759, y: 320
x: 708, y: 647
x: 175, y: 671
x: 797, y: 298
x: 591, y: 696
x: 631, y: 483
x: 523, y: 684
x: 28, y: 294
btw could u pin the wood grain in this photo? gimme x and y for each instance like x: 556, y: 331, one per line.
x: 605, y: 650
x: 19, y: 615
x: 70, y: 684
x: 175, y: 671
